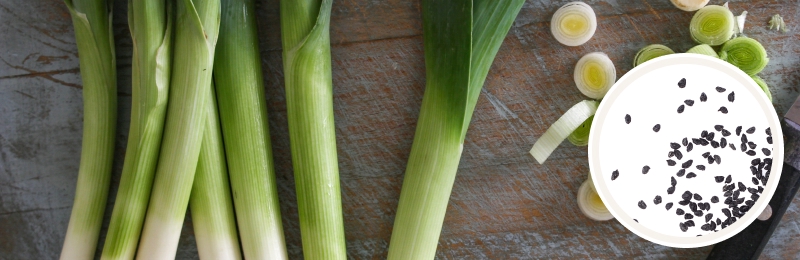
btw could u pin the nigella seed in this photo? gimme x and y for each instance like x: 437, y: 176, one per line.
x: 733, y: 147
x: 725, y: 132
x: 682, y: 83
x: 714, y: 199
x: 710, y: 160
x: 683, y: 202
x: 690, y: 175
x: 674, y: 145
x: 728, y: 179
x: 703, y: 97
x: 751, y: 130
x: 752, y: 145
x: 701, y: 167
x: 656, y: 128
x: 751, y: 190
x: 743, y: 147
x: 645, y: 169
x: 688, y: 102
x: 671, y: 190
x: 769, y: 139
x: 670, y: 154
x: 703, y: 142
x: 685, y: 141
x: 731, y: 97
x: 627, y: 119
x: 717, y: 159
x: 731, y: 186
x: 689, y: 147
x: 679, y: 211
x: 754, y: 197
x: 687, y: 195
x: 723, y: 142
x: 714, y: 144
x: 742, y: 187
x: 727, y: 212
x: 683, y: 227
x: 673, y: 181
x: 696, y: 141
x: 720, y: 89
x: 678, y: 154
x: 755, y: 161
x: 710, y: 136
x: 614, y: 175
x: 681, y: 172
x: 760, y: 189
x: 753, y: 170
x: 755, y: 180
x: 718, y: 127
x: 688, y: 216
x: 751, y: 153
x: 642, y: 205
x: 723, y: 110
x: 698, y: 213
x: 769, y: 131
x: 704, y: 134
x: 687, y: 164
x: 736, y: 194
x: 637, y: 221
x: 719, y: 221
x: 690, y: 223
x: 727, y: 194
x: 738, y: 130
x: 744, y: 138
x: 705, y: 227
x: 657, y: 200
x: 671, y: 163
x: 719, y: 179
x: 706, y: 154
x: 680, y: 109
x: 766, y: 151
x: 697, y: 197
x: 709, y: 217
x: 668, y: 206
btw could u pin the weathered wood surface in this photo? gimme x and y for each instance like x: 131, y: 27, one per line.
x: 504, y: 205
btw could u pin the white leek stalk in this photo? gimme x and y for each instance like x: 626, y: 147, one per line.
x: 562, y: 128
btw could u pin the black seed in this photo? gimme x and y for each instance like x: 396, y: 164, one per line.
x: 736, y: 194
x: 679, y: 211
x: 708, y: 205
x: 731, y: 186
x: 754, y: 197
x: 723, y: 109
x: 688, y: 102
x: 673, y: 181
x: 614, y: 175
x: 645, y: 169
x: 731, y: 96
x: 751, y: 130
x: 697, y: 197
x: 769, y: 139
x: 743, y: 147
x: 751, y: 153
x: 755, y: 161
x: 689, y: 147
x: 703, y: 142
x: 687, y: 195
x: 710, y: 136
x: 755, y: 180
x: 705, y: 227
x: 714, y: 144
x: 701, y: 206
x: 678, y: 154
x: 719, y: 179
x: 768, y: 161
x: 766, y: 151
x: 701, y: 167
x: 683, y: 202
x: 696, y: 141
x: 723, y: 142
x: 690, y: 223
x: 688, y: 216
x: 718, y: 221
x: 738, y: 130
x: 717, y: 159
x: 769, y: 131
x: 740, y: 201
x: 703, y: 97
x: 683, y: 227
x: 725, y: 132
x: 656, y: 128
x: 710, y: 160
x: 728, y: 194
x: 681, y: 172
x: 680, y: 109
x: 690, y: 175
x: 709, y: 216
x: 668, y: 206
x: 642, y: 205
x: 627, y: 119
x: 752, y: 145
x: 744, y: 138
x: 745, y: 209
x: 682, y: 83
x: 670, y: 162
x: 671, y: 190
x: 720, y: 89
x: 727, y: 212
x: 752, y: 190
x: 728, y: 179
x: 706, y: 154
x: 718, y: 127
x: 714, y: 199
x: 685, y: 141
x: 693, y: 206
x: 760, y: 189
x: 753, y: 170
x: 698, y: 213
x: 733, y: 147
x: 742, y: 187
x: 674, y: 145
x: 670, y: 154
x: 687, y: 164
x: 657, y: 200
x: 749, y: 203
x: 704, y: 134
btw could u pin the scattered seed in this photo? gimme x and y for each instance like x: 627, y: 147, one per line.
x: 683, y: 227
x: 714, y: 144
x: 670, y: 154
x: 766, y: 151
x: 679, y: 211
x: 723, y: 109
x: 627, y: 118
x: 714, y: 199
x: 720, y: 89
x: 769, y: 139
x: 731, y: 96
x: 687, y: 195
x: 671, y: 163
x: 743, y: 147
x: 680, y: 109
x: 657, y: 200
x: 728, y: 179
x: 688, y: 216
x: 687, y: 164
x: 691, y: 175
x: 701, y: 167
x: 674, y: 145
x: 710, y: 136
x: 671, y: 190
x: 698, y: 213
x: 689, y: 147
x: 697, y: 197
x: 718, y: 127
x: 642, y: 205
x: 673, y: 181
x: 678, y: 154
x: 614, y: 175
x: 682, y: 83
x: 723, y: 142
x: 693, y: 206
x: 668, y: 206
x: 656, y: 128
x: 704, y: 134
x: 727, y: 212
x: 706, y: 154
x: 688, y: 102
x: 690, y: 223
x: 645, y: 169
x: 755, y: 180
x: 733, y: 147
x: 769, y: 131
x: 742, y: 187
x: 703, y: 97
x: 717, y: 159
x: 751, y: 130
x: 719, y: 179
x: 710, y: 160
x: 683, y: 202
x: 725, y: 132
x: 751, y: 153
x: 681, y: 172
x: 685, y: 141
x: 744, y: 138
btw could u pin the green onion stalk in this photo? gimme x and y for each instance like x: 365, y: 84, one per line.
x: 93, y: 35
x: 245, y: 130
x: 461, y: 39
x: 150, y: 24
x: 196, y: 27
x: 305, y: 35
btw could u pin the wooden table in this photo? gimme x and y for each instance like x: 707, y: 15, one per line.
x: 504, y: 205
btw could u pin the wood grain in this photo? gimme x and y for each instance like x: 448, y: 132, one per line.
x: 503, y: 206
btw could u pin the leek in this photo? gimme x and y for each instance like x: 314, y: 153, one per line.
x: 689, y: 5
x: 210, y: 202
x: 712, y: 25
x: 763, y: 85
x: 590, y: 203
x: 573, y: 24
x: 562, y: 128
x: 196, y: 27
x: 95, y: 40
x: 704, y: 49
x: 245, y: 130
x: 580, y: 137
x: 777, y: 23
x: 650, y: 52
x: 746, y: 54
x: 461, y: 41
x: 151, y: 32
x: 305, y: 28
x: 595, y: 74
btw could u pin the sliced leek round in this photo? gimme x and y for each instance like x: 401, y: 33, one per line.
x: 590, y: 203
x: 580, y: 137
x: 650, y: 52
x: 562, y: 128
x: 766, y: 214
x: 689, y: 5
x: 573, y: 24
x: 763, y: 86
x: 712, y: 25
x: 595, y: 74
x: 704, y: 49
x: 746, y: 54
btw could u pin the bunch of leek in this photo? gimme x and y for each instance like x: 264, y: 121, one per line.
x: 92, y: 22
x: 461, y: 39
x: 309, y: 105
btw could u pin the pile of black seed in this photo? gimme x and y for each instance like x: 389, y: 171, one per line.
x: 737, y: 196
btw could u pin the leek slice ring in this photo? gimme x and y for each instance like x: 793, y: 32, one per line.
x: 573, y: 24
x: 712, y: 25
x: 590, y: 203
x: 650, y: 52
x: 745, y: 53
x: 595, y: 74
